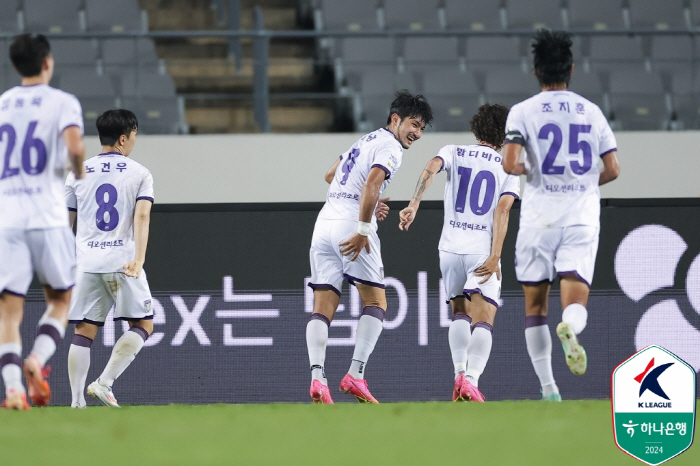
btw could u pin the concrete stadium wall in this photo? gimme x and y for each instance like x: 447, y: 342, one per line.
x: 290, y: 167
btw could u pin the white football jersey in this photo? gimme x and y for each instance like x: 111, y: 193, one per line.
x: 565, y: 136
x: 105, y: 200
x: 475, y: 183
x: 33, y: 156
x: 376, y: 149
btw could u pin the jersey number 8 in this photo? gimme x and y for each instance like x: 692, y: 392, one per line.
x: 106, y: 197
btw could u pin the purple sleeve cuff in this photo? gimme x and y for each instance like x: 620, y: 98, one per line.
x: 442, y: 167
x: 512, y: 142
x: 508, y: 193
x: 145, y: 198
x: 72, y: 209
x: 69, y: 125
x: 607, y: 152
x: 388, y: 173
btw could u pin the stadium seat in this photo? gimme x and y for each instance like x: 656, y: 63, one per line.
x: 74, y: 51
x: 493, y: 49
x: 447, y: 81
x: 52, y: 16
x: 695, y: 12
x: 453, y: 112
x: 645, y: 113
x: 438, y: 50
x: 83, y: 84
x: 596, y: 14
x: 145, y: 83
x: 383, y: 81
x: 412, y: 14
x: 534, y: 15
x: 8, y: 18
x: 657, y: 15
x: 616, y: 50
x: 354, y: 16
x: 473, y: 14
x: 370, y: 50
x: 156, y: 116
x: 113, y: 16
x: 634, y: 80
x: 129, y: 52
x: 585, y: 84
x: 667, y: 49
x: 506, y: 79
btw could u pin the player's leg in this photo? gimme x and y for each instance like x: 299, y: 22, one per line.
x: 79, y: 361
x: 133, y: 303
x: 11, y: 307
x: 326, y: 281
x: 534, y: 267
x: 369, y: 328
x: 15, y: 277
x: 53, y: 258
x: 454, y: 276
x: 575, y: 263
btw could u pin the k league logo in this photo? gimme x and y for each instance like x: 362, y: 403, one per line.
x: 653, y: 400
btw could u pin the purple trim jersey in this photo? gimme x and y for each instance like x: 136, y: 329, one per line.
x: 34, y: 156
x: 565, y: 136
x: 376, y: 149
x: 475, y: 183
x: 105, y: 200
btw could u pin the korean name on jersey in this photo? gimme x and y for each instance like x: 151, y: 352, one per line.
x: 376, y: 149
x: 475, y: 183
x: 34, y: 156
x: 105, y: 200
x: 565, y: 136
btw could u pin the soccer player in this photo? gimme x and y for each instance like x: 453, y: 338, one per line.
x: 345, y: 244
x: 113, y: 207
x: 40, y: 129
x: 565, y: 137
x: 478, y: 198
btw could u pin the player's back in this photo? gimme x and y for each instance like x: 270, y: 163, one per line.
x: 475, y: 182
x: 376, y: 149
x: 34, y: 156
x: 106, y: 201
x: 565, y: 136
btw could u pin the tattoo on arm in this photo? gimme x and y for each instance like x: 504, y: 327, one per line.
x: 423, y: 184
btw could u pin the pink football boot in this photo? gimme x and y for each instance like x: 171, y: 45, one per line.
x: 358, y: 388
x: 320, y: 393
x: 470, y: 392
x: 457, y: 391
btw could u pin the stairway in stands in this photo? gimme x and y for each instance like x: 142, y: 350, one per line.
x: 202, y: 66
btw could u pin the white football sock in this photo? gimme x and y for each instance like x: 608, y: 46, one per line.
x: 479, y: 351
x: 368, y: 330
x: 316, y: 341
x: 575, y: 315
x: 123, y: 353
x: 459, y: 334
x: 10, y: 356
x: 78, y: 366
x: 50, y: 331
x: 539, y: 347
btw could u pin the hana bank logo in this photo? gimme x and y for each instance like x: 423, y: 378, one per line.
x: 646, y: 268
x: 649, y: 380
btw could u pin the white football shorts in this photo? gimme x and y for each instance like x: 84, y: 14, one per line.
x: 95, y: 293
x: 329, y: 267
x: 459, y: 278
x: 539, y: 252
x: 48, y: 252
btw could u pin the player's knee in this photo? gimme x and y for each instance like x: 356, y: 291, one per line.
x: 375, y: 301
x: 146, y: 324
x: 85, y: 329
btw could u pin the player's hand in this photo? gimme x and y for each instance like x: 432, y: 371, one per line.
x: 488, y: 268
x: 354, y: 246
x: 406, y: 217
x: 382, y: 209
x: 133, y: 268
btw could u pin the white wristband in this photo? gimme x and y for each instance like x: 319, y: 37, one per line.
x: 363, y: 228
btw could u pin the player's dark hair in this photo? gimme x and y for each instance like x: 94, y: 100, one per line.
x: 28, y: 52
x: 552, y: 56
x: 113, y: 123
x: 489, y: 124
x: 406, y: 105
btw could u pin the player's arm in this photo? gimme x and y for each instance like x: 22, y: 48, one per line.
x: 142, y: 220
x: 76, y: 149
x: 611, y: 168
x: 500, y: 228
x: 368, y: 201
x: 511, y: 159
x: 407, y: 215
x: 72, y: 214
x: 331, y: 171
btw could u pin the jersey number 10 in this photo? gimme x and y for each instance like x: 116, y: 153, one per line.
x: 30, y: 167
x: 477, y: 208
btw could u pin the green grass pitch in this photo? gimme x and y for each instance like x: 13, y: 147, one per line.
x: 495, y: 433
